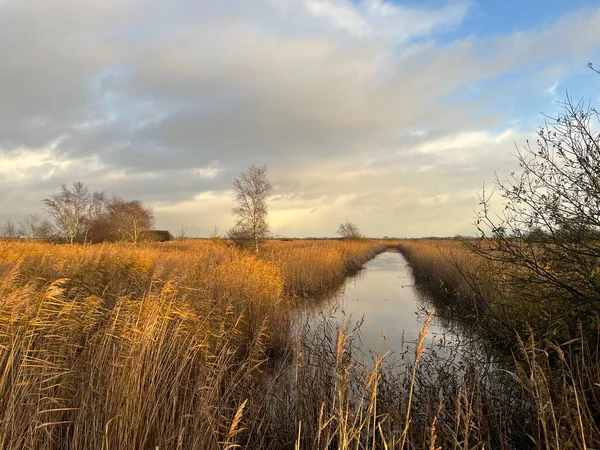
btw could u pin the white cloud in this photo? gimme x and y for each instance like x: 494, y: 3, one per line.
x: 21, y: 164
x: 380, y: 19
x: 552, y: 89
x: 341, y: 13
x: 466, y: 141
x: 356, y: 107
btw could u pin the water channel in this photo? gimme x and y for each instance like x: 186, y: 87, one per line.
x: 384, y: 300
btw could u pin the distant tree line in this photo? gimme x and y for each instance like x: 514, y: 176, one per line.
x: 77, y: 215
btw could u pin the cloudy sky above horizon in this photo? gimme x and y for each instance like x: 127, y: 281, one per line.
x: 388, y: 113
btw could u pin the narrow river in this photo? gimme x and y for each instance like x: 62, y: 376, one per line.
x: 383, y: 299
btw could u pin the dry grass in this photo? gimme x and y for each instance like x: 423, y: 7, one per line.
x: 188, y: 345
x: 311, y: 267
x: 338, y: 401
x: 156, y: 346
x: 468, y: 287
x: 447, y: 264
x: 558, y: 396
x: 482, y: 284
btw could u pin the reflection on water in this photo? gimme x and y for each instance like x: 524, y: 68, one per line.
x: 383, y: 299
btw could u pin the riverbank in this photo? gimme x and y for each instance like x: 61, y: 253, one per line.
x: 554, y: 375
x: 164, y: 345
x: 188, y: 345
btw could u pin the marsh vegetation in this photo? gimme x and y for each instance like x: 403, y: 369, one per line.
x: 198, y: 344
x: 168, y: 346
x: 193, y: 344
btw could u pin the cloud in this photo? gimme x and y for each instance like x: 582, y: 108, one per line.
x: 354, y: 106
x: 386, y: 21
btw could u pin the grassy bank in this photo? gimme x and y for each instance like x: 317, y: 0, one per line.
x: 310, y: 267
x: 157, y: 346
x: 466, y: 278
x: 188, y: 345
x: 555, y: 372
x: 460, y: 281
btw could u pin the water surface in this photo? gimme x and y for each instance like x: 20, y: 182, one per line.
x: 383, y: 299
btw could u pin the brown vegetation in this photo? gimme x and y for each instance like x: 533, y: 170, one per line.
x: 81, y: 216
x: 191, y: 345
x: 311, y: 267
x: 558, y: 376
x: 462, y: 277
x: 155, y: 346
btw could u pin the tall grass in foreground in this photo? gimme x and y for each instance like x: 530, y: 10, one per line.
x: 157, y: 346
x: 124, y: 347
x: 337, y: 398
x: 543, y: 402
x: 558, y: 381
x: 188, y: 346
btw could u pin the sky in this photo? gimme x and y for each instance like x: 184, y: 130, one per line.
x: 391, y: 114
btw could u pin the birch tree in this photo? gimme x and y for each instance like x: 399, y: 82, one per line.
x: 74, y: 210
x: 252, y: 189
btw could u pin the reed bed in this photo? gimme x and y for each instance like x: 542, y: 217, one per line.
x: 151, y: 346
x: 188, y: 345
x: 449, y: 266
x: 471, y: 289
x: 312, y: 267
x: 554, y: 385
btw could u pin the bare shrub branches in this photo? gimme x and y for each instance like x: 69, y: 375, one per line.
x: 74, y: 210
x: 548, y: 233
x: 127, y: 220
x: 349, y: 230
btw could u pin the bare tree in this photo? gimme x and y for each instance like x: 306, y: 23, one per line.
x: 183, y: 234
x: 96, y: 210
x: 128, y: 219
x: 74, y: 210
x: 34, y: 227
x: 252, y: 189
x: 9, y: 230
x: 549, y: 228
x: 349, y: 230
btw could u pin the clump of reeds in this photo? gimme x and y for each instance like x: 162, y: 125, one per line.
x: 465, y: 286
x: 148, y: 346
x: 552, y: 392
x: 562, y: 384
x: 337, y: 396
x: 310, y: 267
x: 189, y: 345
x: 449, y: 267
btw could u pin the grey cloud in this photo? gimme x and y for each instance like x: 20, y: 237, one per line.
x: 140, y: 96
x: 51, y: 51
